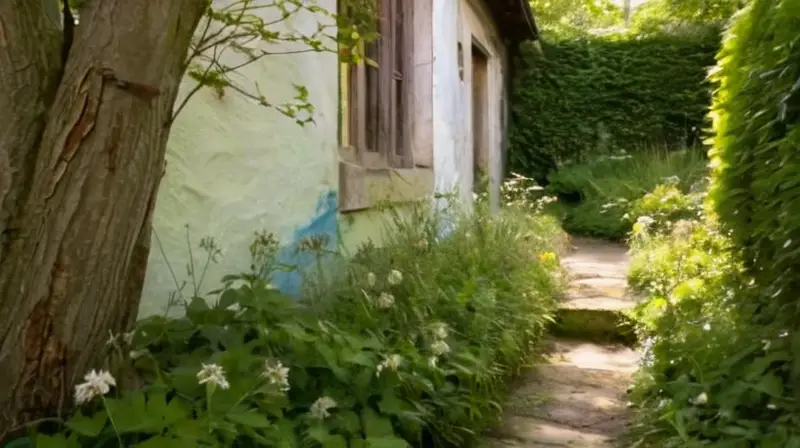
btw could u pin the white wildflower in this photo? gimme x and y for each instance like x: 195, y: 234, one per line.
x: 707, y: 327
x: 320, y: 408
x: 385, y: 300
x: 672, y: 180
x: 277, y: 374
x: 440, y: 348
x: 433, y: 362
x: 701, y: 399
x: 440, y: 331
x: 390, y: 362
x: 213, y: 374
x: 96, y: 384
x: 645, y: 220
x: 371, y: 279
x: 395, y: 277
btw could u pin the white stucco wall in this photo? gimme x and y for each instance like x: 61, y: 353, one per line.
x: 234, y: 167
x: 447, y: 98
x: 460, y: 21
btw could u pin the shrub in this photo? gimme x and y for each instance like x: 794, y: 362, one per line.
x: 596, y: 196
x: 410, y: 344
x: 578, y: 99
x: 711, y: 375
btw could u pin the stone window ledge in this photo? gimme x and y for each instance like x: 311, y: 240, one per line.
x: 362, y: 188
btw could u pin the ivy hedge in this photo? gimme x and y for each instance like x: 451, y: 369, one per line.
x: 756, y: 152
x: 578, y: 98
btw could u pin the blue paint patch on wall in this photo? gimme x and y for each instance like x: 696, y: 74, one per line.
x: 323, y: 227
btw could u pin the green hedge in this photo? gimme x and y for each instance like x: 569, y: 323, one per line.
x: 756, y: 151
x: 578, y: 98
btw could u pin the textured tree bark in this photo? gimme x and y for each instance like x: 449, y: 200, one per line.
x: 81, y: 155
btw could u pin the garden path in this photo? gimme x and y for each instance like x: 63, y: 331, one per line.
x: 578, y: 397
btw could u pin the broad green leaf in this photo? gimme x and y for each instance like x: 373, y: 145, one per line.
x: 88, y: 426
x: 251, y: 419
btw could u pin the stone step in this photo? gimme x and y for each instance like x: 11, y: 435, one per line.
x: 577, y: 399
x: 534, y: 433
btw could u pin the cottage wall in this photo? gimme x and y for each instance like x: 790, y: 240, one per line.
x: 459, y: 23
x: 234, y: 167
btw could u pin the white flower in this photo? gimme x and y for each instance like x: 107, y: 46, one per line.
x: 440, y: 348
x: 276, y: 373
x: 645, y: 220
x: 213, y: 374
x: 440, y: 331
x: 320, y: 408
x: 385, y: 300
x: 96, y: 384
x: 701, y: 399
x: 390, y: 362
x: 371, y: 279
x: 432, y: 362
x: 395, y: 277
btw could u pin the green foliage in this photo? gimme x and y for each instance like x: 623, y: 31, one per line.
x: 561, y: 19
x: 411, y: 344
x: 756, y: 153
x: 597, y: 197
x: 579, y: 99
x: 711, y: 375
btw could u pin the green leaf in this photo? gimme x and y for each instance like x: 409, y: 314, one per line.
x: 335, y: 441
x: 376, y: 425
x: 250, y: 418
x: 59, y: 441
x: 88, y: 426
x: 386, y: 442
x: 162, y: 442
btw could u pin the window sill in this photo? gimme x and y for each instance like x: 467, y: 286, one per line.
x: 363, y: 188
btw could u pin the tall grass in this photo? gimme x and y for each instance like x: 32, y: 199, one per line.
x: 595, y: 196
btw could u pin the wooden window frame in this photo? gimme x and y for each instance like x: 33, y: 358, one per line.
x: 389, y: 144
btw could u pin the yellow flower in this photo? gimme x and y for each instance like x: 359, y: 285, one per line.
x: 547, y: 257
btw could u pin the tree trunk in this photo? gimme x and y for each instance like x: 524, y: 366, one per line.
x: 81, y: 155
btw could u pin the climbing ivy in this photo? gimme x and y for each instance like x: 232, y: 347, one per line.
x: 756, y: 152
x: 578, y: 98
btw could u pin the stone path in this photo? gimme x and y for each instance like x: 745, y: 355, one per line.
x: 578, y: 398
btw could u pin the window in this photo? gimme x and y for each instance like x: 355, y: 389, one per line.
x: 379, y: 92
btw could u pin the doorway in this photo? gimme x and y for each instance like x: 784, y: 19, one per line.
x: 480, y: 102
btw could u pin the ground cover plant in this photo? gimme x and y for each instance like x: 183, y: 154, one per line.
x: 409, y: 344
x: 596, y: 196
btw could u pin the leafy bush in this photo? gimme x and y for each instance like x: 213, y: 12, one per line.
x: 597, y: 196
x: 711, y: 375
x: 578, y: 99
x: 411, y: 344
